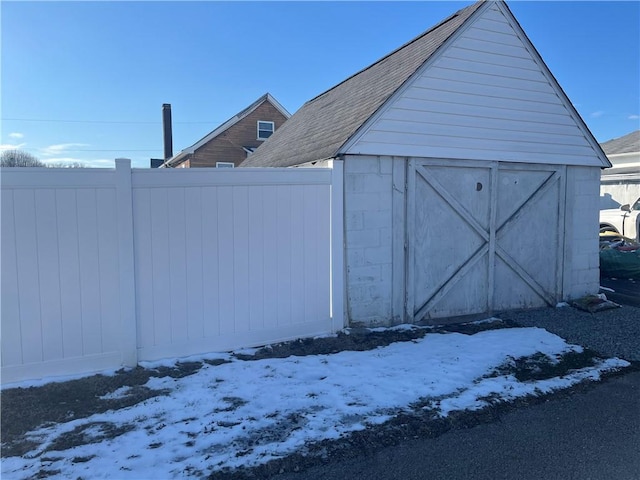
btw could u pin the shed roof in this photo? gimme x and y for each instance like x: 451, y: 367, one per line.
x: 326, y: 122
x: 325, y: 125
x: 629, y: 143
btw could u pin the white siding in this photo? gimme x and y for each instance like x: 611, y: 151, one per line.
x: 485, y: 97
x: 617, y: 190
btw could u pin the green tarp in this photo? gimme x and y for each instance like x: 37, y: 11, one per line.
x: 622, y: 264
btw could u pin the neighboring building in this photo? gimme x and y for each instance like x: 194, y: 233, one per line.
x: 620, y: 185
x: 231, y: 143
x: 471, y: 182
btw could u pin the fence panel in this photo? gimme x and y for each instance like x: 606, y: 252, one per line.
x: 229, y: 259
x: 102, y: 268
x: 60, y: 288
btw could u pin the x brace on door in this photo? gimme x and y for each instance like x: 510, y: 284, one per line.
x: 490, y: 239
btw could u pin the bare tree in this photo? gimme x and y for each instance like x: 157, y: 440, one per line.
x: 16, y: 158
x: 66, y: 165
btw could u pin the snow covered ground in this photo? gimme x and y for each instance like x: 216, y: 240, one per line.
x: 244, y: 413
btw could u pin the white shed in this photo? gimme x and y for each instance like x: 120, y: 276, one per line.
x: 471, y: 182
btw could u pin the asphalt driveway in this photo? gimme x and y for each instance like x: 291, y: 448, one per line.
x: 592, y: 433
x: 625, y: 291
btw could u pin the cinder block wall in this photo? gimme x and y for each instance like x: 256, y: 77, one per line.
x: 582, y: 261
x: 368, y: 207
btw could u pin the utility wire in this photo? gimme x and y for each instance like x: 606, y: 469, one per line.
x: 99, y: 121
x: 98, y: 150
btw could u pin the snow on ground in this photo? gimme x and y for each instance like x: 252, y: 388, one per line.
x: 244, y: 413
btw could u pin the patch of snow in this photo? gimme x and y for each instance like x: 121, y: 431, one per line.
x: 119, y: 393
x: 562, y: 305
x: 486, y: 320
x: 398, y: 328
x: 245, y: 413
x: 171, y: 362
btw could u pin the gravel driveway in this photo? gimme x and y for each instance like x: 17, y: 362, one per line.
x: 612, y: 333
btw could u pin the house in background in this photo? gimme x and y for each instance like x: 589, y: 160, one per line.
x: 620, y: 184
x: 231, y: 143
x: 471, y: 182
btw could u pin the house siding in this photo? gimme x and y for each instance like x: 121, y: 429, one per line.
x: 227, y: 147
x: 617, y: 192
x: 485, y: 97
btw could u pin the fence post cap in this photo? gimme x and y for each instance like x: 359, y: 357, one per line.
x: 123, y: 162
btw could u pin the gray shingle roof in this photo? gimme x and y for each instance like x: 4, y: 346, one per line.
x: 627, y: 144
x: 325, y: 123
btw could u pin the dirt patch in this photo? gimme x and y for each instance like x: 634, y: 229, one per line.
x: 26, y: 409
x: 361, y: 339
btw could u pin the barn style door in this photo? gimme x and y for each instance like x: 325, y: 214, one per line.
x: 482, y: 237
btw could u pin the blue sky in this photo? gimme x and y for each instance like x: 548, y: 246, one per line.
x: 85, y: 81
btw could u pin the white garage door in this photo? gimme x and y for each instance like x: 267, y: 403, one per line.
x: 482, y: 237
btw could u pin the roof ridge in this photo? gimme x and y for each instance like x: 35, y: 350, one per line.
x: 405, y: 45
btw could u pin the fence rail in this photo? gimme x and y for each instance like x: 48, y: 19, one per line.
x: 103, y: 268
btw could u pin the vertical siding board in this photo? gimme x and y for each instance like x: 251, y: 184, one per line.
x: 161, y: 267
x: 324, y: 251
x: 108, y: 256
x: 283, y: 252
x: 226, y: 260
x: 241, y: 258
x: 270, y: 259
x: 49, y: 278
x: 210, y: 282
x: 11, y: 347
x: 28, y: 282
x: 69, y: 252
x: 143, y: 257
x: 311, y: 252
x: 194, y: 262
x: 177, y: 281
x: 257, y: 254
x: 297, y: 253
x: 88, y: 242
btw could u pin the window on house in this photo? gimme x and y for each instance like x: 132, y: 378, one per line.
x: 265, y: 129
x: 224, y: 165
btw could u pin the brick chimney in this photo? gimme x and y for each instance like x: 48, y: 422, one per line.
x: 166, y: 128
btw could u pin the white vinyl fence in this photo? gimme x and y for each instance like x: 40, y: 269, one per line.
x: 105, y: 268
